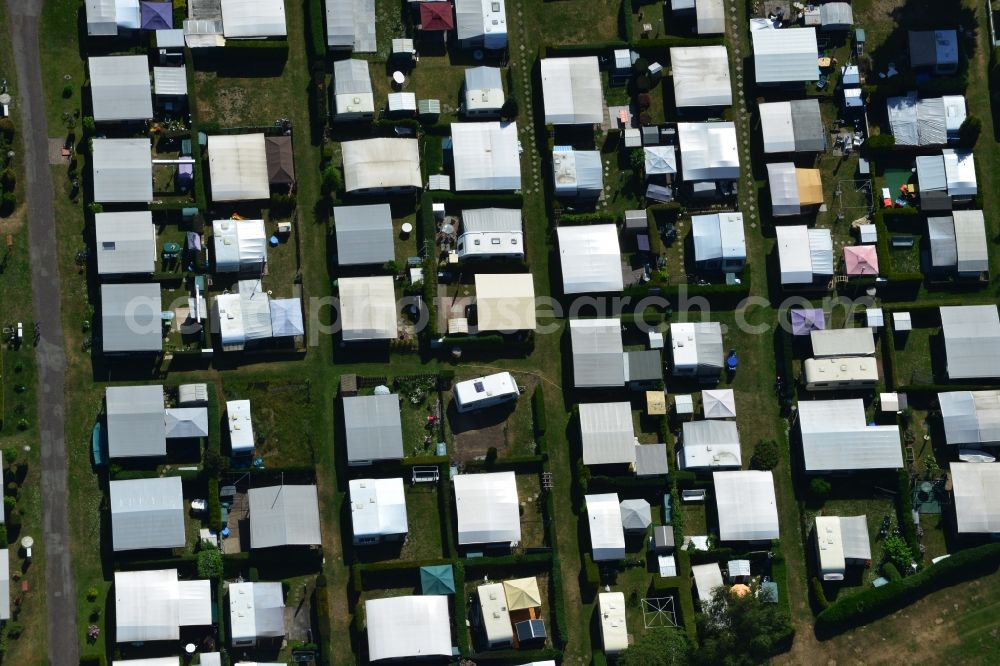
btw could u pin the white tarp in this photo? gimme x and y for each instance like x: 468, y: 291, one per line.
x: 776, y: 126
x: 709, y: 151
x: 607, y: 433
x: 505, y: 302
x: 571, y: 91
x: 746, y: 506
x: 971, y: 341
x: 238, y: 167
x: 380, y: 164
x: 486, y: 156
x: 977, y: 497
x: 971, y: 417
x: 701, y: 76
x: 171, y: 81
x: 368, y: 308
x: 488, y: 508
x: 286, y: 317
x: 119, y: 88
x: 784, y: 189
x: 123, y: 170
x: 591, y: 258
x: 821, y: 251
x: 788, y: 55
x: 607, y: 538
x: 836, y: 437
x: 378, y: 508
x: 256, y: 610
x: 102, y: 19
x: 253, y: 18
x: 718, y: 236
x: 255, y: 305
x: 408, y: 627
x: 154, y: 605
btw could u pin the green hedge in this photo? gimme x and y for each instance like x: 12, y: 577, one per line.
x: 315, y: 22
x: 685, y: 594
x: 591, y: 575
x: 489, y: 343
x: 464, y: 648
x: 517, y: 656
x: 477, y: 200
x: 566, y: 219
x: 530, y: 464
x: 538, y: 411
x: 214, y: 420
x: 878, y: 602
x: 214, y: 508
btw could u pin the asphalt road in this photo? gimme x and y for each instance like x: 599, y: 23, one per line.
x: 62, y: 640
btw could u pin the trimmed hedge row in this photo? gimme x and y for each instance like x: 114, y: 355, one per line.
x: 878, y: 602
x: 538, y: 411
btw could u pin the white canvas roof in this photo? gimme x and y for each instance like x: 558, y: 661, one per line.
x: 970, y: 417
x: 240, y: 245
x: 227, y: 313
x: 660, y: 160
x: 153, y: 605
x: 591, y: 258
x: 821, y: 251
x: 701, y: 76
x: 4, y: 584
x: 256, y: 610
x: 803, y: 253
x: 238, y: 166
x: 352, y: 87
x: 255, y: 309
x: 253, y: 18
x: 410, y: 626
x: 577, y: 172
x: 711, y: 17
x: 977, y: 497
x: 971, y: 341
x: 123, y: 170
x: 746, y: 505
x: 119, y: 88
x: 836, y: 437
x: 378, y: 164
x: 597, y: 352
x: 488, y: 508
x: 607, y: 538
x: 784, y: 189
x: 636, y: 514
x: 925, y: 122
x: 184, y: 422
x: 285, y: 515
x: 378, y: 507
x: 286, y: 317
x: 350, y: 24
x: 484, y: 20
x: 483, y: 89
x: 776, y: 126
x: 710, y: 444
x: 368, y: 308
x: 970, y: 241
x: 608, y: 433
x: 170, y: 80
x: 135, y: 421
x: 147, y: 513
x: 486, y: 156
x: 571, y: 91
x: 130, y: 318
x: 781, y: 56
x: 614, y: 630
x: 102, y: 20
x: 718, y: 236
x: 707, y: 577
x: 960, y: 172
x: 719, y: 403
x: 708, y: 151
x: 125, y: 242
x: 832, y: 342
x: 505, y: 301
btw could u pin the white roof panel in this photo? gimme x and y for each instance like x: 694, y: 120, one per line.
x: 746, y: 506
x: 591, y: 258
x: 123, y: 170
x: 701, y: 76
x: 253, y: 18
x: 571, y: 91
x: 836, y: 437
x: 709, y: 151
x: 285, y: 515
x: 125, y: 242
x: 238, y: 166
x: 488, y: 508
x: 486, y: 156
x: 710, y: 444
x: 842, y: 342
x: 971, y: 417
x: 505, y: 301
x: 170, y: 81
x: 408, y: 627
x: 971, y: 341
x: 135, y: 420
x: 970, y: 241
x: 383, y: 163
x: 977, y: 497
x: 785, y: 55
x: 707, y: 578
x: 607, y: 538
x: 119, y: 88
x: 597, y: 352
x: 608, y: 433
x: 368, y: 308
x: 147, y: 513
x: 154, y: 605
x: 378, y: 507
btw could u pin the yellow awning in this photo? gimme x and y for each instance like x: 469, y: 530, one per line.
x: 810, y: 186
x: 522, y: 593
x: 656, y: 403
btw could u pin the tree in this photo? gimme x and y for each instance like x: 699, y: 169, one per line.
x: 658, y: 647
x: 766, y: 455
x: 209, y: 563
x: 820, y: 488
x: 509, y: 110
x: 741, y: 630
x: 333, y: 181
x: 968, y: 132
x: 896, y: 551
x: 637, y: 160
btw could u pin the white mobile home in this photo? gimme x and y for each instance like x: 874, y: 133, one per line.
x: 491, y: 233
x: 481, y: 23
x: 240, y: 426
x: 256, y: 613
x: 841, y: 542
x: 696, y: 349
x: 493, y: 616
x: 240, y: 246
x: 614, y: 631
x: 840, y: 373
x: 486, y: 156
x: 484, y: 392
x: 352, y: 91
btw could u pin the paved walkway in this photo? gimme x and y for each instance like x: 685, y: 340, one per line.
x: 62, y: 639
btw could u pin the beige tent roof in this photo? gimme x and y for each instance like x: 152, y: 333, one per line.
x: 522, y: 593
x: 810, y: 186
x: 505, y: 302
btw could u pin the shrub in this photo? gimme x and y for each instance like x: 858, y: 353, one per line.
x: 820, y: 488
x: 67, y: 91
x: 7, y: 127
x: 819, y: 594
x: 92, y: 593
x: 766, y: 455
x: 14, y: 630
x: 890, y: 571
x: 881, y: 142
x: 8, y: 179
x: 896, y: 551
x: 210, y: 563
x: 333, y: 181
x: 640, y: 66
x: 214, y: 509
x: 591, y: 573
x: 509, y: 110
x: 645, y: 100
x: 968, y: 132
x: 491, y: 455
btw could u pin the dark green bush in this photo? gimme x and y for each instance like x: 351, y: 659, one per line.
x: 890, y: 571
x: 819, y: 595
x: 881, y: 142
x: 766, y: 455
x: 214, y: 508
x: 820, y: 488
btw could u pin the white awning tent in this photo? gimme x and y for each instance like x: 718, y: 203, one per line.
x: 708, y: 151
x: 135, y: 421
x: 718, y: 403
x: 925, y: 122
x: 710, y: 16
x: 795, y: 126
x: 123, y: 170
x: 952, y: 171
x: 255, y: 308
x: 368, y: 308
x: 364, y: 234
x: 483, y: 92
x: 719, y: 237
x: 660, y: 160
x: 350, y: 24
x: 571, y: 91
x: 710, y: 444
x: 971, y: 417
x: 378, y: 508
x: 125, y: 243
x: 285, y: 515
x: 841, y: 540
x: 120, y: 88
x: 147, y: 513
x: 614, y: 628
x: 836, y: 437
x: 707, y: 579
x: 785, y: 56
x: 486, y: 156
x: 408, y: 627
x: 238, y: 167
x: 577, y: 173
x: 804, y: 254
x: 488, y: 508
x: 607, y: 433
x: 636, y: 515
x: 597, y: 349
x: 971, y: 341
x: 746, y: 506
x: 256, y: 610
x: 977, y: 497
x: 838, y: 342
x: 373, y: 428
x: 701, y: 76
x: 590, y: 257
x: 381, y: 164
x: 240, y: 246
x: 253, y: 18
x: 607, y: 537
x: 154, y: 605
x: 505, y: 301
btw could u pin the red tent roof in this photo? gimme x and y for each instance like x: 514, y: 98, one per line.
x: 436, y: 16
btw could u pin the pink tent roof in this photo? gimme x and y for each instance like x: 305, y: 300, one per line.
x: 861, y: 260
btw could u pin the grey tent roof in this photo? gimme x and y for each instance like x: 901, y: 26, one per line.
x: 785, y: 55
x: 718, y: 236
x: 807, y: 125
x: 970, y: 417
x: 364, y: 234
x: 170, y: 80
x: 597, y: 352
x: 643, y: 365
x: 135, y: 421
x: 284, y: 515
x: 931, y: 48
x: 663, y: 537
x: 147, y: 513
x: 125, y: 242
x: 351, y: 24
x: 854, y: 537
x: 941, y: 234
x: 351, y: 77
x: 482, y: 78
x: 708, y: 342
x: 373, y: 427
x: 120, y: 88
x: 930, y: 173
x: 834, y: 15
x: 184, y: 422
x: 970, y: 240
x: 651, y: 460
x: 486, y: 220
x: 636, y: 514
x: 971, y: 341
x: 286, y: 317
x: 608, y: 433
x: 123, y: 170
x: 130, y: 317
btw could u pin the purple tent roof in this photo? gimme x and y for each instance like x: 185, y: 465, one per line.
x: 156, y: 15
x: 805, y: 320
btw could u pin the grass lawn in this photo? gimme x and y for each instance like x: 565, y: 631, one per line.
x: 280, y: 410
x: 560, y: 22
x: 914, y: 355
